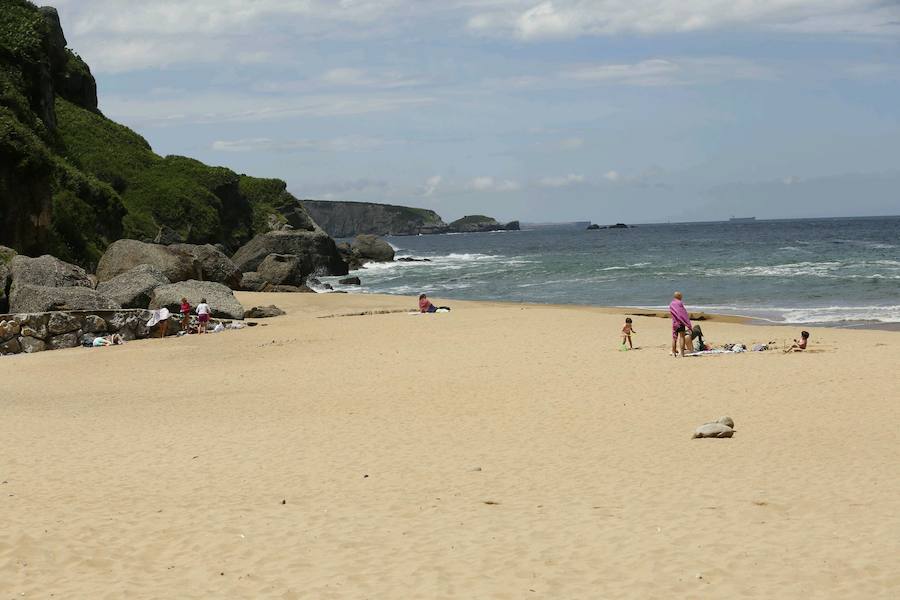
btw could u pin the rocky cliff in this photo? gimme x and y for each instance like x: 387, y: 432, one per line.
x: 347, y: 219
x: 480, y: 224
x: 73, y: 181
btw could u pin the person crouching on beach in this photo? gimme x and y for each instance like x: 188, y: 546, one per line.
x: 426, y: 306
x: 203, y: 315
x: 185, y: 314
x: 626, y: 333
x: 681, y: 323
x: 799, y: 345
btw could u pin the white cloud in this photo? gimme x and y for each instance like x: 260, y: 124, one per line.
x: 431, y: 185
x: 571, y: 143
x: 573, y: 18
x: 338, y: 144
x: 212, y: 107
x: 613, y: 176
x: 670, y: 71
x: 561, y: 181
x: 489, y: 184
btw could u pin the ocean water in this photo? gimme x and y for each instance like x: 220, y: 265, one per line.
x: 830, y: 271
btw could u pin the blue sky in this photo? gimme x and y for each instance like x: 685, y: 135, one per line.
x: 603, y: 110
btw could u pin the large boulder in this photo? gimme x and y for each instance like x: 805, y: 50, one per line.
x: 316, y: 252
x: 39, y: 298
x: 253, y: 282
x: 372, y: 248
x: 219, y: 297
x: 214, y: 265
x: 263, y: 312
x: 124, y: 255
x: 281, y: 269
x: 47, y: 271
x: 132, y: 289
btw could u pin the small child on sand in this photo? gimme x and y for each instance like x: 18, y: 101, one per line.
x: 799, y: 345
x: 626, y: 333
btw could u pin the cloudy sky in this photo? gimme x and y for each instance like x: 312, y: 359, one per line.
x: 603, y: 110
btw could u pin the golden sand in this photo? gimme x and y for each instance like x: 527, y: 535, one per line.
x: 499, y: 451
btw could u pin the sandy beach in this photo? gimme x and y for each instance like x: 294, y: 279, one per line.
x: 498, y: 451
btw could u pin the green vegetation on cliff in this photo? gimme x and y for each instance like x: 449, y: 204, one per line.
x: 72, y: 181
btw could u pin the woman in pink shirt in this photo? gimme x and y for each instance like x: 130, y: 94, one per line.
x: 681, y: 323
x: 426, y: 306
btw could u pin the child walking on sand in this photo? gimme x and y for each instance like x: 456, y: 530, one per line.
x: 799, y: 345
x: 626, y: 333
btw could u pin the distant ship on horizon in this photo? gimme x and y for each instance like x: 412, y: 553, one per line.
x: 741, y: 219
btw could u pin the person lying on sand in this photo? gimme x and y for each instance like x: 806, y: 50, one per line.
x: 681, y: 323
x: 113, y: 340
x: 426, y: 306
x: 799, y: 345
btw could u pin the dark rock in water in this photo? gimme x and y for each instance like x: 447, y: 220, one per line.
x: 593, y: 226
x: 350, y: 281
x: 214, y: 265
x: 316, y: 252
x: 252, y: 282
x: 132, y: 289
x: 411, y: 259
x: 38, y: 298
x: 480, y: 224
x: 47, y: 271
x: 124, y: 255
x: 619, y: 226
x: 327, y: 286
x: 220, y: 298
x: 263, y: 312
x: 372, y: 248
x: 281, y: 269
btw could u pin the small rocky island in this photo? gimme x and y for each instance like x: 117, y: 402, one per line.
x: 594, y: 226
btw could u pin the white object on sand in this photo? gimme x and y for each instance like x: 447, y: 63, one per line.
x: 721, y: 428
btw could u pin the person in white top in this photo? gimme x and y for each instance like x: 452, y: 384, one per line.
x: 203, y: 312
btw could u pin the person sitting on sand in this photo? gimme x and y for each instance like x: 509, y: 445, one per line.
x: 626, y: 333
x: 203, y: 311
x: 799, y: 345
x: 426, y: 306
x: 681, y: 323
x: 695, y: 335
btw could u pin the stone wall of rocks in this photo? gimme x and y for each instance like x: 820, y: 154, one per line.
x: 67, y: 329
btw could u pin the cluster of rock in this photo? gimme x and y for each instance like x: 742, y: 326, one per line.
x: 55, y: 330
x: 479, y: 224
x: 365, y: 248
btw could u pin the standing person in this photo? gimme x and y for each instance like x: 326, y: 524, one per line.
x: 203, y: 311
x: 185, y: 314
x: 681, y: 323
x: 626, y: 333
